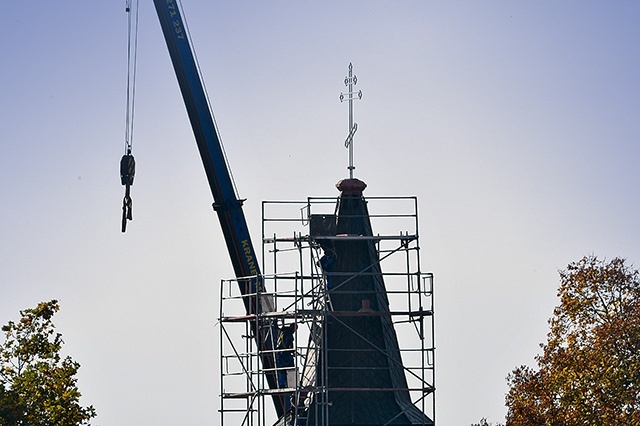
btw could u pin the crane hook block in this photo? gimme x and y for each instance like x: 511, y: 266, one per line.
x: 127, y: 172
x: 127, y: 169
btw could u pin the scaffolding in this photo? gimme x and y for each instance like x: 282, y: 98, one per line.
x: 296, y: 236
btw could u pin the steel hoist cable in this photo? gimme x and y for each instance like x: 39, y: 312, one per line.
x: 128, y: 163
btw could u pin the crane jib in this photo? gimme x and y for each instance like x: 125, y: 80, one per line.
x: 227, y: 206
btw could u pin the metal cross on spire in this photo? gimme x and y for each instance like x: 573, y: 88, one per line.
x: 350, y: 81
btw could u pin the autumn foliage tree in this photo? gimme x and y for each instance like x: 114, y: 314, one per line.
x: 589, y: 369
x: 484, y: 422
x: 38, y: 386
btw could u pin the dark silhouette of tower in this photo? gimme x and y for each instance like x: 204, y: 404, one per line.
x: 361, y: 367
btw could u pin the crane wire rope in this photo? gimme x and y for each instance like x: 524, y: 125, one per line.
x: 132, y: 55
x: 206, y: 94
x: 127, y: 163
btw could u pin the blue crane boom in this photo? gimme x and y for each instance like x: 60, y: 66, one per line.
x: 226, y: 203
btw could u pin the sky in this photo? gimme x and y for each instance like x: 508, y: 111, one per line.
x: 514, y: 123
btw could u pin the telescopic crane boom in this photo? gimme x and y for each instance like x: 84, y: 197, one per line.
x: 226, y: 203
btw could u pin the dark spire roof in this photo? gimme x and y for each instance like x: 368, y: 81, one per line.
x: 365, y: 379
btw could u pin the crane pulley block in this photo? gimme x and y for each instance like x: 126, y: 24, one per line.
x: 127, y: 169
x: 127, y: 173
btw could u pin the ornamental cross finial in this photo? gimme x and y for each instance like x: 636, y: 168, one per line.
x: 350, y: 81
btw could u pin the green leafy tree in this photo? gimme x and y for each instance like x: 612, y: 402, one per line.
x: 589, y: 369
x: 38, y: 386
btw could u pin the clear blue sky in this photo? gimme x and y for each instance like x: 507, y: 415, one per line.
x: 515, y: 123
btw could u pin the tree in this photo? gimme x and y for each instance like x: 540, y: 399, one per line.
x: 484, y: 422
x: 589, y: 369
x: 38, y: 386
